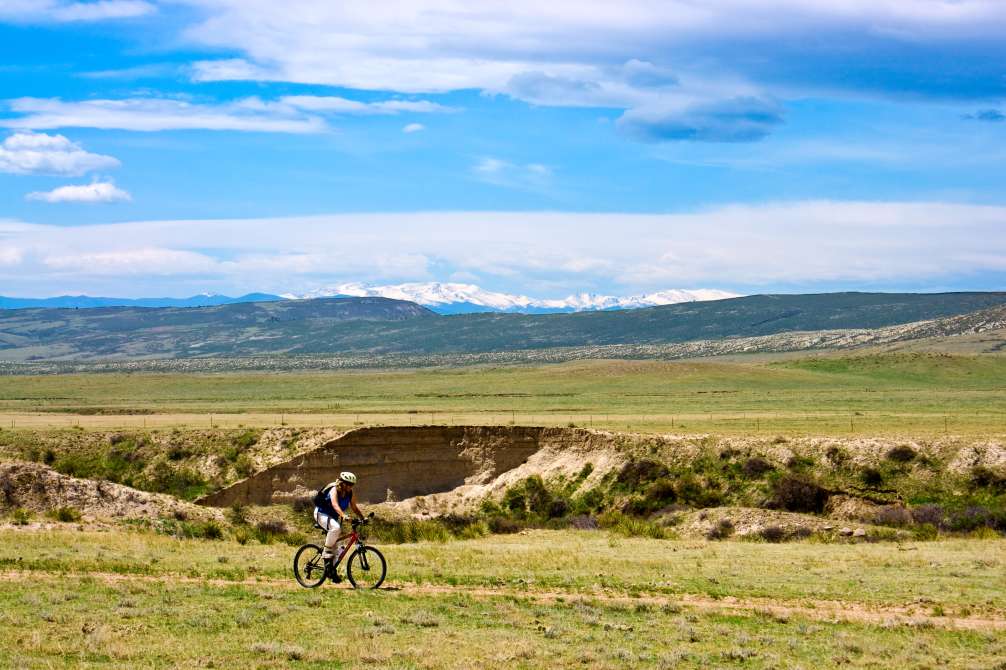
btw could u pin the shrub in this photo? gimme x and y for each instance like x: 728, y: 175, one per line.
x: 583, y: 522
x: 637, y: 472
x: 65, y: 514
x: 503, y: 525
x: 177, y: 452
x: 537, y: 495
x: 514, y: 501
x: 246, y: 440
x: 984, y: 477
x: 837, y: 456
x: 210, y: 530
x: 891, y: 515
x: 558, y: 508
x: 872, y: 476
x: 755, y: 467
x: 244, y: 465
x: 631, y: 527
x: 20, y: 516
x: 721, y: 531
x: 974, y: 517
x: 588, y: 501
x: 238, y: 514
x: 902, y: 454
x: 799, y: 462
x: 272, y: 527
x: 928, y: 514
x: 773, y: 534
x: 798, y: 494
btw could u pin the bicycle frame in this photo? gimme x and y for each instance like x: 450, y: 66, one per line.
x: 354, y: 538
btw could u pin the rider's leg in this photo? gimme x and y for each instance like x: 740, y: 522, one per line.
x: 332, y: 537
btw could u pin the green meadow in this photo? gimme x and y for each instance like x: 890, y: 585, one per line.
x: 828, y: 394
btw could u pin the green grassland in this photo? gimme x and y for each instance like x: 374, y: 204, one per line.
x: 826, y: 394
x: 546, y: 598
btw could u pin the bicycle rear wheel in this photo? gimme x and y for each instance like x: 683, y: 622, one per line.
x: 366, y: 568
x: 308, y: 566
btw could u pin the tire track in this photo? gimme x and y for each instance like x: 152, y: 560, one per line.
x: 831, y: 611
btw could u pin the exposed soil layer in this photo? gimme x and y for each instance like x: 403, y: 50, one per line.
x: 399, y: 463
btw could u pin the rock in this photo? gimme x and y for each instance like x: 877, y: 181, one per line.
x: 859, y: 532
x: 845, y: 532
x: 827, y: 527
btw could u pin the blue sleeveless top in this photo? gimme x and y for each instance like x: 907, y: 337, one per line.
x: 343, y: 502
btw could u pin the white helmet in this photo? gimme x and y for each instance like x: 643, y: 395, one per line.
x: 347, y: 477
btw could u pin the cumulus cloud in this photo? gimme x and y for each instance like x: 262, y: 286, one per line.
x: 95, y: 192
x: 153, y: 114
x: 25, y: 11
x: 54, y: 155
x: 807, y: 243
x: 413, y: 127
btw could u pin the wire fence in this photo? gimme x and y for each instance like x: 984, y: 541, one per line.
x: 825, y: 422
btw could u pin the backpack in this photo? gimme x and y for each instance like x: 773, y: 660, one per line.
x: 322, y: 496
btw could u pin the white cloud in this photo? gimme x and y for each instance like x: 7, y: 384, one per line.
x: 893, y: 244
x: 10, y: 255
x: 137, y: 261
x: 41, y: 154
x: 335, y: 104
x: 153, y: 114
x: 661, y: 56
x: 534, y: 176
x: 31, y: 11
x: 413, y: 127
x: 95, y: 192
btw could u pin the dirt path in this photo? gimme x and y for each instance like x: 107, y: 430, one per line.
x: 817, y: 610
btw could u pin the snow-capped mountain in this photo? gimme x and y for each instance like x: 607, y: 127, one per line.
x: 450, y: 298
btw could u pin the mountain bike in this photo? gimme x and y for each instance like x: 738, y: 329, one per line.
x: 365, y: 565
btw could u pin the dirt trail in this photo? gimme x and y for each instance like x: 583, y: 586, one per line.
x: 816, y: 610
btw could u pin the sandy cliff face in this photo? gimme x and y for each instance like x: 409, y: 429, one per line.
x: 391, y: 462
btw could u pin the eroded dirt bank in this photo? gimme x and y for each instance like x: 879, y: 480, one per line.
x: 400, y: 463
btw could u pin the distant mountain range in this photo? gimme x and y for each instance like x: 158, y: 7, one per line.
x: 373, y: 326
x: 443, y: 298
x: 84, y: 301
x: 451, y: 298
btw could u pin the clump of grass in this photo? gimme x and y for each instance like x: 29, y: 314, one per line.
x: 628, y: 526
x: 796, y: 493
x: 902, y: 454
x: 65, y: 514
x: 721, y: 531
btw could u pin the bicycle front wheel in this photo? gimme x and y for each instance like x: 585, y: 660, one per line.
x: 366, y: 568
x: 308, y: 566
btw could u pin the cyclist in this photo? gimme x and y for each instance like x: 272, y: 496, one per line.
x: 331, y: 511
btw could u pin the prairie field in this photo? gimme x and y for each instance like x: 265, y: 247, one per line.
x: 157, y: 590
x: 535, y: 599
x: 918, y: 393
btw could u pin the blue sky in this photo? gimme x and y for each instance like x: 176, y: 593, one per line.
x: 176, y: 147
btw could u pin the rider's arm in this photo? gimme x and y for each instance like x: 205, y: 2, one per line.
x: 354, y: 506
x: 334, y: 495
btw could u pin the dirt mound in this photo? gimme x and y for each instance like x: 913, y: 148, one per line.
x: 748, y: 521
x: 40, y: 489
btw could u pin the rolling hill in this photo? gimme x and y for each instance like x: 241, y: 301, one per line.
x: 380, y: 326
